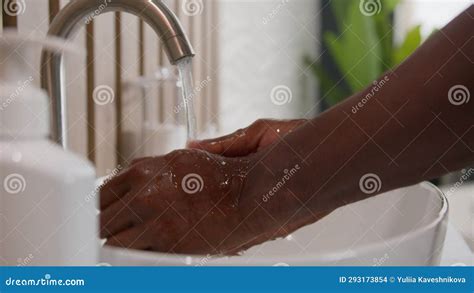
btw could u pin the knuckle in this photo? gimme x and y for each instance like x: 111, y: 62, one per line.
x: 261, y: 123
x: 134, y: 172
x: 258, y: 122
x: 174, y: 154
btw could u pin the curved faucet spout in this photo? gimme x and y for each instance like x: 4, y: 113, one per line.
x: 79, y: 12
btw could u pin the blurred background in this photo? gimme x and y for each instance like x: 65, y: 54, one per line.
x: 254, y: 59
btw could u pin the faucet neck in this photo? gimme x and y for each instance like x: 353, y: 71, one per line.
x: 79, y: 12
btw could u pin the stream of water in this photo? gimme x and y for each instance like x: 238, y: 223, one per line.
x: 187, y: 92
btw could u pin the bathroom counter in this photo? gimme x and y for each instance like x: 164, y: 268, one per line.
x: 456, y: 251
x: 459, y: 244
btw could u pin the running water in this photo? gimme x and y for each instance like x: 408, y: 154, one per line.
x: 187, y: 91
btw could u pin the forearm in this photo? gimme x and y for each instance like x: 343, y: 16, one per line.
x: 404, y: 129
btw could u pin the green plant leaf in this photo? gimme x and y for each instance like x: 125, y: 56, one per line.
x: 339, y: 10
x: 357, y: 51
x: 384, y: 29
x: 388, y: 6
x: 362, y: 49
x: 385, y: 36
x: 408, y: 46
x: 331, y: 91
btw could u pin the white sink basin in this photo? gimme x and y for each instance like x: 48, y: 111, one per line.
x: 406, y: 226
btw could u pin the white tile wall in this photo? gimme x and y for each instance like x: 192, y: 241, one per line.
x: 261, y: 46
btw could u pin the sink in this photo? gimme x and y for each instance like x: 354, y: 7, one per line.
x: 406, y: 226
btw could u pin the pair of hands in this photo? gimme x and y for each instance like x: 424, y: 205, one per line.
x: 205, y: 199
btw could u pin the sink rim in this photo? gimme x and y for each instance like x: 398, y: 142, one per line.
x: 329, y: 257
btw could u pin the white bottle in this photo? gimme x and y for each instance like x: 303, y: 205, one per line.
x: 47, y: 216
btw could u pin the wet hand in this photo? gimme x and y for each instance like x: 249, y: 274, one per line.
x: 249, y: 140
x: 188, y: 201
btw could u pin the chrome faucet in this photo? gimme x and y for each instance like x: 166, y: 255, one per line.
x: 78, y: 12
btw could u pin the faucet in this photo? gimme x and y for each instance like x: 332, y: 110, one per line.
x: 154, y: 12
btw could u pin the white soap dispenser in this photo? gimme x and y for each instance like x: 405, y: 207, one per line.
x: 47, y: 216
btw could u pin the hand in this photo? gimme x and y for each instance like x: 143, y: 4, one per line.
x: 188, y: 201
x: 248, y: 140
x: 191, y: 201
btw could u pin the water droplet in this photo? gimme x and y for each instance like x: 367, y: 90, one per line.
x: 289, y: 237
x: 223, y: 163
x: 278, y: 130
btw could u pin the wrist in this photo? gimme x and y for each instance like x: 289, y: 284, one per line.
x: 324, y: 163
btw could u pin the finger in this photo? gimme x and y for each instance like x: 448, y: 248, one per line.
x: 135, y: 238
x: 138, y: 160
x: 278, y: 129
x: 291, y: 125
x: 113, y: 193
x: 113, y: 189
x: 240, y: 143
x: 116, y: 218
x: 214, y: 145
